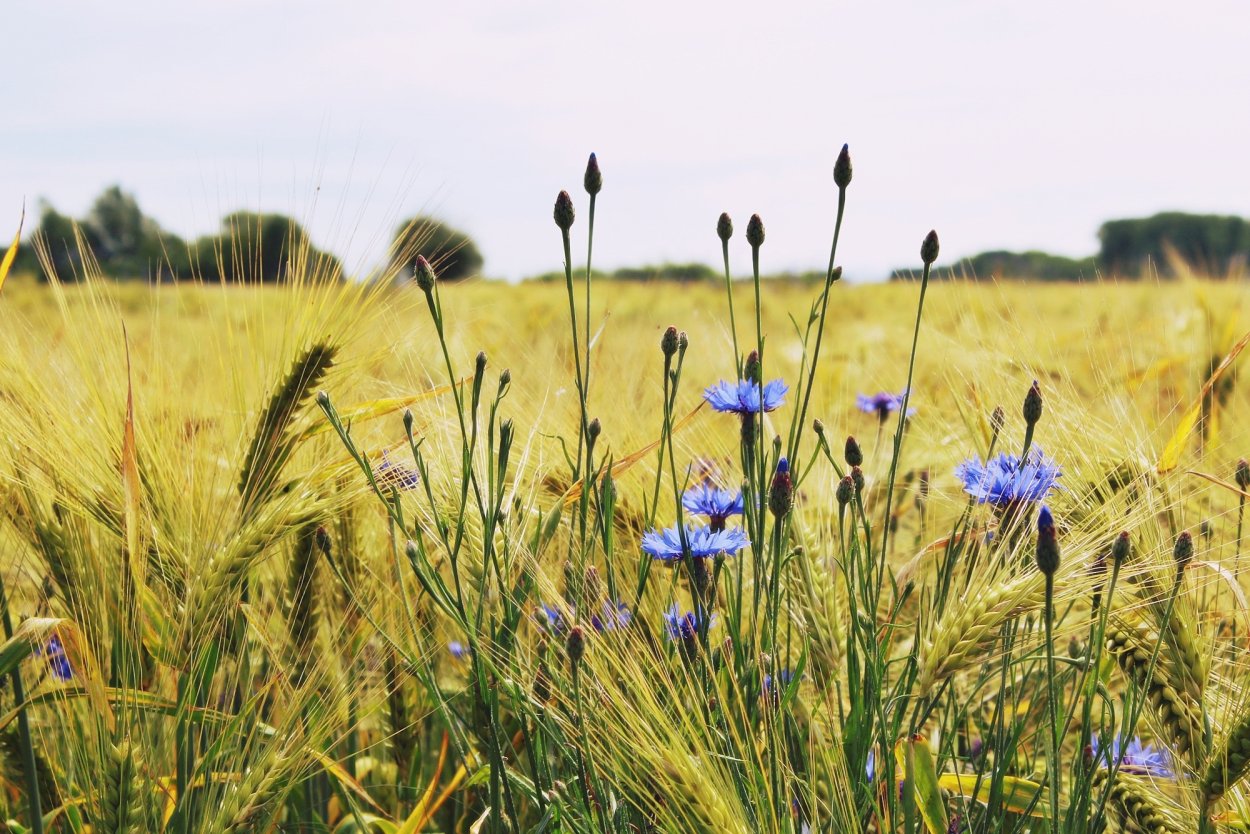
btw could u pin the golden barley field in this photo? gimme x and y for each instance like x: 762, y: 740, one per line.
x: 347, y: 557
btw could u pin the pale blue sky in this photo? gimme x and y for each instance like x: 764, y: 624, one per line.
x: 1000, y: 124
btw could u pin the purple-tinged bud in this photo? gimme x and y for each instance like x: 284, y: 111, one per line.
x: 835, y: 275
x: 755, y: 231
x: 781, y: 496
x: 751, y: 368
x: 846, y: 491
x: 668, y: 342
x: 563, y: 212
x: 1242, y: 475
x: 1033, y: 405
x: 322, y: 539
x: 857, y: 477
x: 1047, y: 543
x: 1183, y: 551
x: 593, y: 429
x: 594, y: 179
x: 724, y: 227
x: 929, y: 248
x: 998, y: 418
x: 842, y: 168
x: 853, y: 454
x: 1120, y: 550
x: 575, y: 646
x: 424, y: 275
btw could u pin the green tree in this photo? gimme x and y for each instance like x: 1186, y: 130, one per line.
x: 1215, y: 242
x: 453, y: 253
x: 260, y: 248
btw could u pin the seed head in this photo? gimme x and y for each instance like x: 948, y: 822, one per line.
x: 424, y: 274
x: 1047, y: 543
x: 575, y: 645
x: 563, y: 212
x: 724, y: 227
x: 853, y: 454
x: 755, y: 231
x: 1033, y: 405
x: 594, y: 179
x: 846, y: 491
x: 1183, y: 551
x: 929, y: 248
x: 668, y: 342
x: 1242, y: 475
x: 842, y: 168
x: 1120, y: 550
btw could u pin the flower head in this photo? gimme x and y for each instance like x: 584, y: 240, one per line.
x: 551, y: 620
x: 701, y: 542
x: 390, y: 474
x: 1003, y: 480
x: 54, y: 651
x: 613, y: 616
x: 458, y: 650
x: 1144, y: 759
x: 883, y: 403
x: 783, y: 679
x: 717, y: 504
x: 744, y: 396
x: 685, y: 625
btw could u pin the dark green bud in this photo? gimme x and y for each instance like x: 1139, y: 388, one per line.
x: 929, y: 248
x: 424, y: 275
x: 593, y: 429
x: 724, y: 227
x: 1183, y: 551
x: 594, y: 179
x: 479, y: 363
x: 322, y: 539
x: 408, y: 422
x: 842, y: 168
x: 857, y: 477
x: 668, y: 342
x: 846, y: 491
x: 1120, y: 550
x: 575, y: 646
x: 1242, y: 475
x: 751, y: 368
x: 835, y: 276
x: 818, y: 427
x: 563, y: 212
x: 853, y: 454
x: 323, y: 399
x: 1033, y: 405
x: 997, y: 419
x: 505, y: 379
x: 683, y: 341
x: 755, y: 231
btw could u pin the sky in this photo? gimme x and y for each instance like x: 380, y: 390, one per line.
x: 1000, y: 124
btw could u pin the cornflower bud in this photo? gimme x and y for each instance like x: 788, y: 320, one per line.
x: 1120, y: 550
x: 575, y: 646
x: 1047, y: 543
x: 563, y: 212
x: 842, y: 168
x: 1242, y: 475
x: 668, y: 342
x: 846, y: 491
x: 1183, y: 551
x: 755, y: 231
x: 751, y: 368
x: 594, y: 179
x: 424, y: 275
x: 781, y: 496
x: 854, y: 456
x: 929, y: 248
x: 724, y: 227
x: 1033, y: 405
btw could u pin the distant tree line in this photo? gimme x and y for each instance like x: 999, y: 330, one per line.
x: 249, y: 246
x: 1127, y: 248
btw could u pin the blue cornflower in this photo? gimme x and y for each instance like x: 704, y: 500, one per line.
x: 1145, y: 759
x: 717, y: 504
x: 458, y: 650
x: 551, y: 620
x: 1003, y: 481
x: 390, y: 474
x: 870, y: 768
x: 685, y: 625
x: 743, y: 397
x: 883, y: 403
x: 783, y: 678
x: 665, y: 544
x: 54, y: 651
x: 615, y: 615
